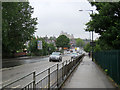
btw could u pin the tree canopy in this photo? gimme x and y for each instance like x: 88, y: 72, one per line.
x: 46, y: 48
x: 87, y: 47
x: 107, y: 24
x: 79, y: 42
x: 62, y: 41
x: 18, y: 26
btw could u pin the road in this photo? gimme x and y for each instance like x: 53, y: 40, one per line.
x: 6, y: 63
x: 13, y: 73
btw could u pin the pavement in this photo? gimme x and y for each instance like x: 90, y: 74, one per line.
x: 88, y: 75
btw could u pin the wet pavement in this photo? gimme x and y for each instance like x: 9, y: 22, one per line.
x: 88, y: 75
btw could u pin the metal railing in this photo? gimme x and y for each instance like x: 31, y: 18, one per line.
x: 53, y: 77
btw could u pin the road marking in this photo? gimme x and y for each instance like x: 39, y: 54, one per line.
x: 16, y: 86
x: 5, y: 81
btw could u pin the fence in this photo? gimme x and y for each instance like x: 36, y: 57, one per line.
x: 52, y: 77
x: 110, y: 62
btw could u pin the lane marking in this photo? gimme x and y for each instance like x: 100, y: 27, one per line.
x: 5, y: 81
x: 16, y: 86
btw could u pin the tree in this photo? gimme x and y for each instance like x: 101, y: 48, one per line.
x: 46, y: 48
x: 33, y: 47
x: 62, y: 41
x: 79, y: 42
x: 107, y: 24
x: 51, y: 48
x: 87, y: 47
x: 18, y: 26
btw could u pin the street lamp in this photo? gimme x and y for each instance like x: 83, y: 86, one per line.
x: 92, y: 32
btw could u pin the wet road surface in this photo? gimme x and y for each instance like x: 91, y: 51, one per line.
x: 6, y: 63
x: 13, y: 73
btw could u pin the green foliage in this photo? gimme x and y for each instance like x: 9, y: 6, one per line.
x: 97, y: 47
x: 51, y: 48
x: 62, y: 41
x: 46, y: 48
x: 107, y: 24
x: 33, y: 46
x: 17, y: 26
x: 87, y: 47
x: 79, y: 42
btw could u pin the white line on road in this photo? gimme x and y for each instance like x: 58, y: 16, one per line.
x: 16, y: 86
x: 5, y: 81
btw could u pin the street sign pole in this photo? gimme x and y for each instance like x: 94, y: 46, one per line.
x: 92, y: 46
x: 92, y: 40
x: 92, y: 33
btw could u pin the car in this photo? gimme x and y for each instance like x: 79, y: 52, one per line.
x: 71, y: 50
x: 79, y: 54
x: 68, y: 52
x: 55, y: 56
x: 74, y: 55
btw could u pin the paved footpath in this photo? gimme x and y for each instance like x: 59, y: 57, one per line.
x: 88, y: 75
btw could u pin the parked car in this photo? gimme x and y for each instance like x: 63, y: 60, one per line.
x: 55, y: 56
x: 74, y: 55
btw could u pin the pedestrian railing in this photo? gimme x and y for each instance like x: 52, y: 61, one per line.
x: 53, y: 77
x: 110, y: 63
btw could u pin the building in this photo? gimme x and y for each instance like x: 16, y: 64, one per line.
x: 70, y: 36
x: 50, y: 40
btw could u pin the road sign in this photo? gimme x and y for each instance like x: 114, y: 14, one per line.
x: 39, y: 45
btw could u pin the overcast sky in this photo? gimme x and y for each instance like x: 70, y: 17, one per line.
x: 55, y: 16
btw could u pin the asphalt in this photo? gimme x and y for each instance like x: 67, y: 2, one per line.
x: 24, y: 57
x: 88, y: 75
x: 12, y: 74
x: 12, y: 62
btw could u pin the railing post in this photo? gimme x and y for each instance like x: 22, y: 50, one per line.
x: 66, y: 68
x: 76, y: 61
x: 34, y: 80
x: 62, y: 71
x: 71, y: 63
x: 48, y: 78
x: 57, y: 74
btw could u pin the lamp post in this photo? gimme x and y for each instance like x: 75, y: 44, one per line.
x: 92, y: 32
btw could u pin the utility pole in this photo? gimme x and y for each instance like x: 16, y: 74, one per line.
x: 92, y: 33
